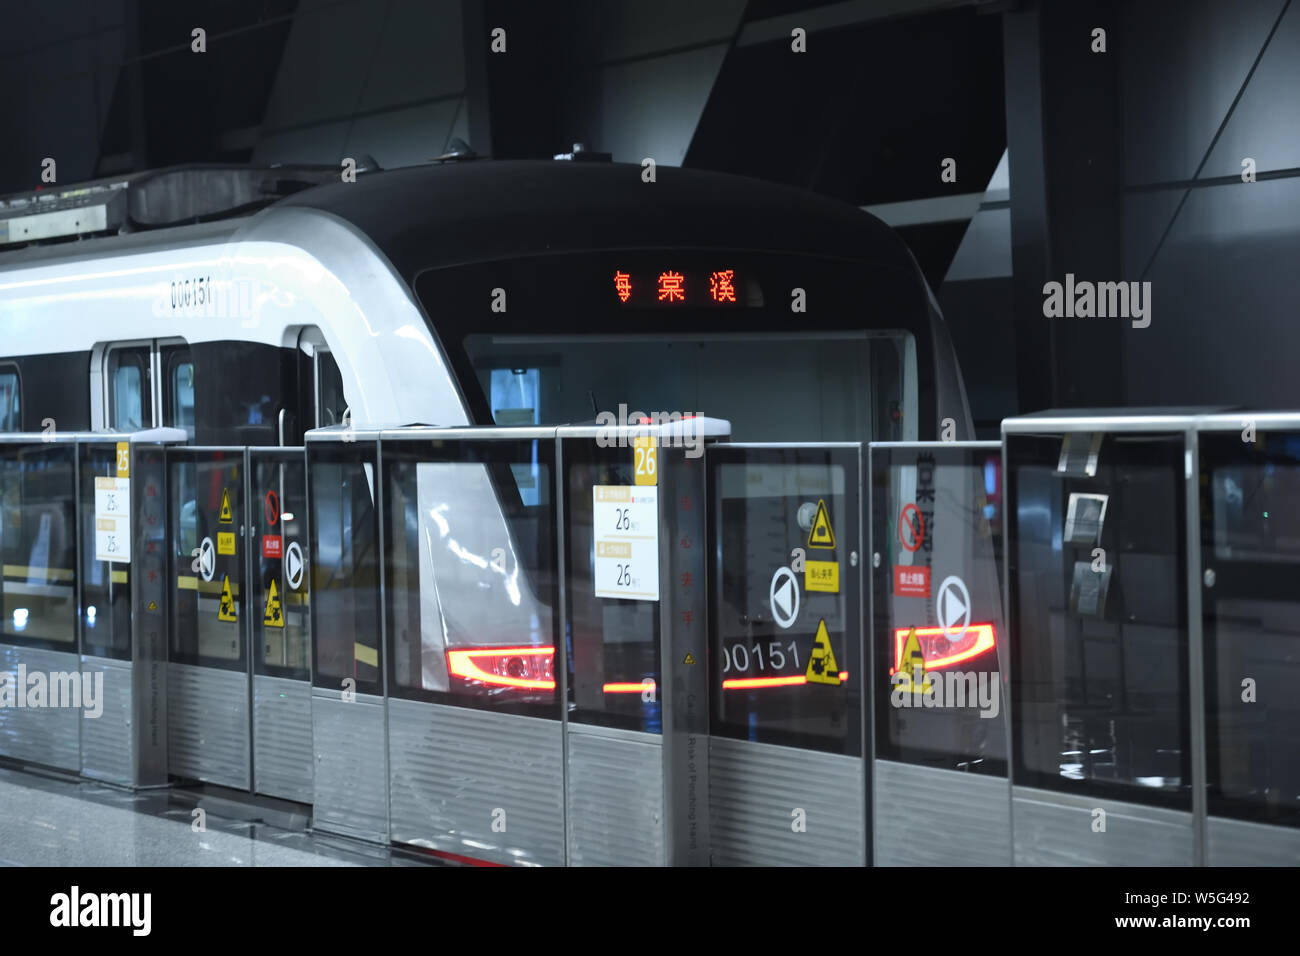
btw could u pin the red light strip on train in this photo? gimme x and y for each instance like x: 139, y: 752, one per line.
x: 628, y: 687
x: 731, y: 683
x: 745, y: 683
x: 469, y: 664
x: 985, y: 640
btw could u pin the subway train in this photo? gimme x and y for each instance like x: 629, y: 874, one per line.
x: 254, y: 323
x: 271, y: 309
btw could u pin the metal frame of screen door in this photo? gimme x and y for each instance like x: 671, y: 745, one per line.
x: 1184, y: 425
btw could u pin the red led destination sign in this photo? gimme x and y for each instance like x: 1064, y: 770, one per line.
x: 677, y: 287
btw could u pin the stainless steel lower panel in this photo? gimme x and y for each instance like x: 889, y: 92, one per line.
x: 475, y: 783
x: 49, y: 735
x: 1238, y: 843
x: 207, y: 725
x: 783, y: 806
x: 350, y: 791
x: 967, y: 817
x: 282, y: 751
x: 107, y: 742
x: 615, y: 797
x: 1056, y: 829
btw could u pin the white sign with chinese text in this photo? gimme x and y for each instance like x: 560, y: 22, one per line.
x: 626, y: 531
x: 113, y: 519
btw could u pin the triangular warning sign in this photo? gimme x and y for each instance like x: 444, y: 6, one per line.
x: 822, y: 668
x: 821, y: 535
x: 911, y: 665
x: 226, y: 516
x: 227, y: 612
x: 274, y: 616
x: 153, y: 606
x: 689, y: 658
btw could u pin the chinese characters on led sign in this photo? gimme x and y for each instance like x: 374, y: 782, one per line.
x: 671, y: 287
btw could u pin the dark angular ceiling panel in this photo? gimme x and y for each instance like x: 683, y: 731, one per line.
x: 868, y: 113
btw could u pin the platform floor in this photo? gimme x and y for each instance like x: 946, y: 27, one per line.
x: 46, y: 820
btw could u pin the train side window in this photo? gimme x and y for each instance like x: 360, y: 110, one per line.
x: 130, y: 388
x: 178, y: 388
x: 330, y: 403
x: 10, y: 399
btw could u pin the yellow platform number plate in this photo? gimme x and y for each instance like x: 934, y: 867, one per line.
x: 646, y: 458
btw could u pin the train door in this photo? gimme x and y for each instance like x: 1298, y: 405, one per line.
x: 280, y: 623
x: 208, y: 669
x: 139, y: 385
x: 787, y: 780
x: 939, y: 683
x: 1249, y: 515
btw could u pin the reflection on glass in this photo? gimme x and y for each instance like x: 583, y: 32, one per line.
x: 1101, y: 672
x: 614, y: 676
x: 938, y: 605
x: 344, y: 568
x: 329, y: 383
x: 182, y: 398
x: 784, y: 655
x: 38, y: 545
x: 281, y: 618
x: 130, y: 389
x: 1251, y: 544
x: 128, y: 399
x: 105, y: 586
x: 10, y: 419
x: 472, y: 575
x: 205, y: 516
x: 757, y: 382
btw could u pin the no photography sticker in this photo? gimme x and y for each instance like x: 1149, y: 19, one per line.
x: 911, y: 528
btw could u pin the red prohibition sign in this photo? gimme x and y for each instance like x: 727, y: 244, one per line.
x: 272, y: 508
x: 914, y: 524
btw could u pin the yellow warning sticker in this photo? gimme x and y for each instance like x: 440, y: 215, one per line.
x: 821, y: 535
x: 153, y: 606
x: 689, y: 658
x: 911, y: 666
x: 822, y: 668
x: 822, y: 576
x: 225, y: 542
x: 226, y: 516
x: 274, y: 616
x: 227, y: 612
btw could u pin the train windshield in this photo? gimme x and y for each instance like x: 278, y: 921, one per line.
x: 787, y: 348
x: 830, y: 386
